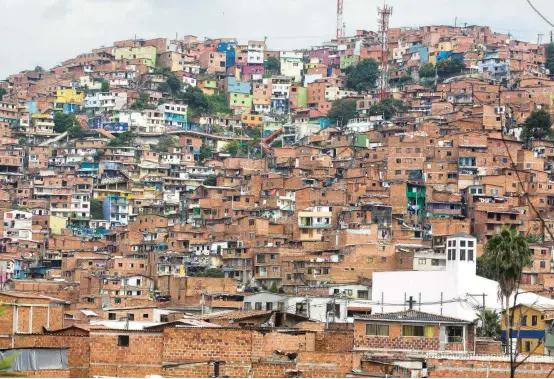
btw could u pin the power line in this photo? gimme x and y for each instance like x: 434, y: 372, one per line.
x: 540, y: 14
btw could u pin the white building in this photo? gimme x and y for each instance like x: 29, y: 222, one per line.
x: 18, y: 225
x: 106, y: 101
x: 292, y: 133
x: 320, y: 308
x: 456, y: 291
x: 134, y: 119
x: 255, y: 52
x: 292, y: 64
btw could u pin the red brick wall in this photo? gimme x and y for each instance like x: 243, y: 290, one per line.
x: 334, y: 341
x: 395, y: 340
x: 201, y: 345
x: 142, y: 357
x: 78, y: 353
x: 462, y: 368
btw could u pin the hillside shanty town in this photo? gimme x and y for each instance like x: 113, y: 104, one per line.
x: 378, y: 205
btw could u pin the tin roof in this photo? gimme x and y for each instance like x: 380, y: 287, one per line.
x: 411, y: 316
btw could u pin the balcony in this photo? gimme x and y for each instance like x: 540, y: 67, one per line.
x: 315, y: 226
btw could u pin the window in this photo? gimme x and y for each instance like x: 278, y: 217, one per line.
x: 363, y: 295
x: 122, y: 340
x: 164, y: 318
x: 527, y: 346
x: 376, y: 330
x: 247, y: 306
x: 454, y: 334
x: 418, y: 331
x: 462, y: 255
x: 333, y: 309
x: 145, y: 315
x: 258, y: 306
x: 111, y: 316
x: 524, y: 321
x: 534, y: 320
x: 470, y: 255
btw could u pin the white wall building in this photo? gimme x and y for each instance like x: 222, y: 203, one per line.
x: 292, y: 64
x: 456, y: 291
x: 255, y: 52
x: 106, y: 101
x: 18, y: 225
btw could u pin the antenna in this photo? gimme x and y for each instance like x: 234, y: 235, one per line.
x: 340, y: 25
x: 384, y: 15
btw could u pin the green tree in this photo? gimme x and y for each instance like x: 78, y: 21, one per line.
x: 38, y: 69
x: 164, y: 87
x: 173, y: 83
x: 427, y: 70
x: 164, y: 143
x: 386, y: 107
x: 96, y: 209
x: 550, y: 58
x: 123, y: 139
x: 196, y: 100
x: 217, y: 103
x: 210, y: 273
x: 483, y: 269
x: 506, y: 255
x: 232, y: 148
x: 404, y: 80
x: 211, y: 180
x: 363, y: 76
x: 105, y: 86
x: 206, y: 152
x: 488, y: 324
x: 141, y: 102
x: 274, y: 288
x: 449, y: 67
x: 342, y: 111
x: 273, y: 64
x: 76, y: 131
x: 63, y: 122
x: 537, y: 126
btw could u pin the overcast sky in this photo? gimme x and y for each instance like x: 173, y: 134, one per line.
x: 46, y: 32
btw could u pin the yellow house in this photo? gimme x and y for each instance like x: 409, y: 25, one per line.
x: 445, y: 46
x: 100, y: 194
x: 254, y: 120
x: 531, y: 329
x: 141, y: 52
x: 207, y: 86
x: 70, y: 96
x: 57, y: 224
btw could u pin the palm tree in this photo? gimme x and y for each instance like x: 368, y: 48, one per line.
x: 506, y: 255
x: 489, y: 323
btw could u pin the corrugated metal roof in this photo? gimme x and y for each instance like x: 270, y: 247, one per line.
x: 411, y: 316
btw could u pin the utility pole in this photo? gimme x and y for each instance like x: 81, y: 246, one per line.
x: 410, y: 302
x: 551, y: 37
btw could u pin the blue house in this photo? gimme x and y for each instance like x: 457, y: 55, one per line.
x: 230, y: 49
x: 239, y: 87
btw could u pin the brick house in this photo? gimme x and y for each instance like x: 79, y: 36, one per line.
x: 413, y: 330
